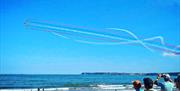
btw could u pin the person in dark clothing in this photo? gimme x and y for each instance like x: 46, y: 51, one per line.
x: 148, y: 84
x: 177, y: 82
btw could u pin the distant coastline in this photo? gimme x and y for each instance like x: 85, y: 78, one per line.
x: 116, y: 73
x: 105, y: 73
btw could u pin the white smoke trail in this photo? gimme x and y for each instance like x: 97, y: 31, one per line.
x: 144, y: 42
x: 60, y: 35
x: 133, y: 35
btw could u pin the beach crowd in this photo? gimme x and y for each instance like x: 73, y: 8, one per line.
x: 167, y: 85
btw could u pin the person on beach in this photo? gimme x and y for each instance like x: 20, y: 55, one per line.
x: 148, y: 84
x: 177, y: 83
x: 137, y: 85
x: 167, y: 85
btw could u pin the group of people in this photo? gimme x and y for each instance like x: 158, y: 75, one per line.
x: 167, y: 85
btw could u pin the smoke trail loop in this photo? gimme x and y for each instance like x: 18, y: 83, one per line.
x: 133, y: 35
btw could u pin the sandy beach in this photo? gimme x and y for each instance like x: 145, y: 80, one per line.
x: 98, y: 88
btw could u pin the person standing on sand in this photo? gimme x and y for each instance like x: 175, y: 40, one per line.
x: 167, y: 85
x: 148, y: 84
x: 137, y: 85
x: 177, y: 83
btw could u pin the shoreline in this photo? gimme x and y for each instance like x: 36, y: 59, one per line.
x: 120, y: 87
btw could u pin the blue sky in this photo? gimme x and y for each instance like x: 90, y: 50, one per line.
x: 35, y: 52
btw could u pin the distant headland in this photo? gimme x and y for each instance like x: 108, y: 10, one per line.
x: 116, y: 73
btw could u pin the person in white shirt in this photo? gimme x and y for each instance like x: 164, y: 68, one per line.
x: 167, y: 85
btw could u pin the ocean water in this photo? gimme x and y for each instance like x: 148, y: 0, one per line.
x: 46, y: 81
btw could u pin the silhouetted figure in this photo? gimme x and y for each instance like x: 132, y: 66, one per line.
x: 177, y: 82
x: 38, y: 89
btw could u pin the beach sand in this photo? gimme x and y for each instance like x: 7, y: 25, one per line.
x: 97, y: 88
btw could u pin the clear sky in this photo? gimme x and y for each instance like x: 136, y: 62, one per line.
x: 25, y: 51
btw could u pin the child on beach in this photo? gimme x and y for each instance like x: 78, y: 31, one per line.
x: 137, y: 85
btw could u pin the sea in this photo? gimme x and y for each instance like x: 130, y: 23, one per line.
x: 80, y: 80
